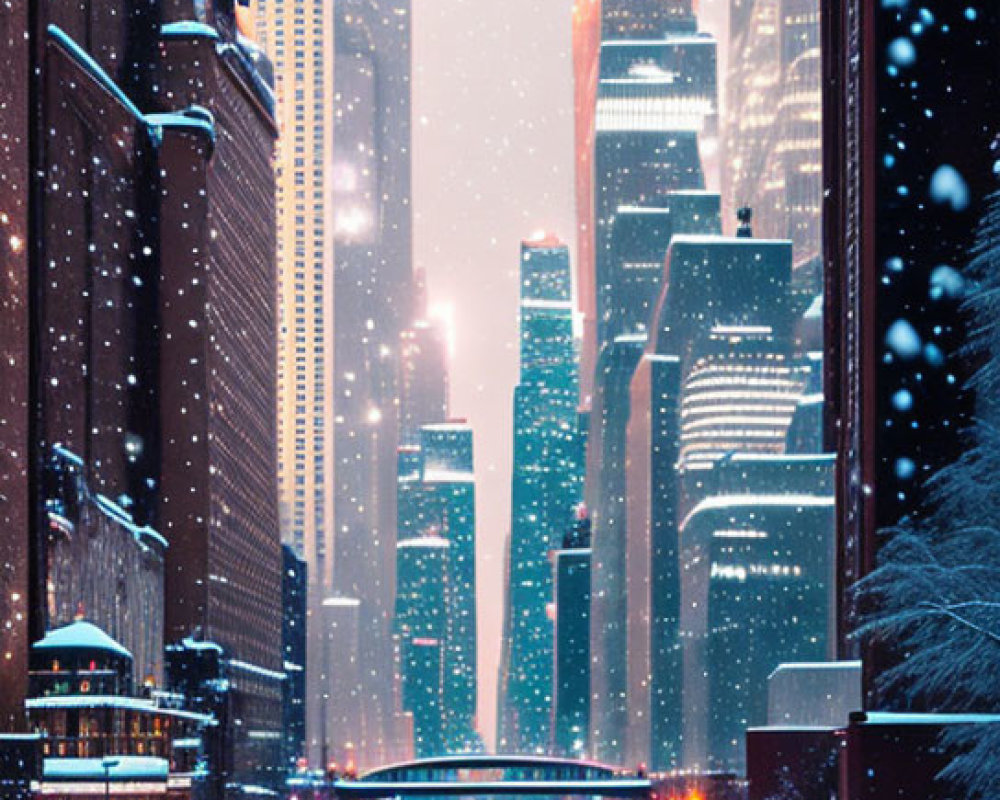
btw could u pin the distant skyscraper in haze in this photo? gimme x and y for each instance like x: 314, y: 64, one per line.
x: 372, y: 274
x: 437, y: 501
x: 773, y: 126
x: 423, y: 368
x: 546, y: 488
x: 334, y: 670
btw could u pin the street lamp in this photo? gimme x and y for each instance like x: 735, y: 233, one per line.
x: 108, y: 764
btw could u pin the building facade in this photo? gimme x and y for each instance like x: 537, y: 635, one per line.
x: 294, y: 603
x: 423, y: 601
x: 571, y: 676
x: 437, y: 499
x: 546, y: 488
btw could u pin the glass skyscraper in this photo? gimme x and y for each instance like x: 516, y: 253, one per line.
x: 546, y: 488
x: 437, y: 502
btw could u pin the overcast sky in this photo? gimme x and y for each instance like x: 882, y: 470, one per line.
x: 493, y: 164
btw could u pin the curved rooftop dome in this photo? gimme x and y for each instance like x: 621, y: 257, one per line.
x: 80, y: 635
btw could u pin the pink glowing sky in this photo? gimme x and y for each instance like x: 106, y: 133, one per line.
x: 493, y: 163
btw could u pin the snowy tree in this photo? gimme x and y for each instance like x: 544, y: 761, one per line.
x: 935, y: 597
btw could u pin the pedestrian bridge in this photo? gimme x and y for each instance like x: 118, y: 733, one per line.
x: 494, y: 775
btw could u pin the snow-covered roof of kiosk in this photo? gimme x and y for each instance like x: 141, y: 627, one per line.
x: 81, y: 635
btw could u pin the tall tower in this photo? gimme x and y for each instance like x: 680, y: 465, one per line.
x: 372, y: 273
x: 437, y: 502
x: 773, y: 125
x: 299, y: 40
x: 655, y: 108
x: 546, y: 488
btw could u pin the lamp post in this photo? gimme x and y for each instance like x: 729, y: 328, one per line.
x: 109, y: 764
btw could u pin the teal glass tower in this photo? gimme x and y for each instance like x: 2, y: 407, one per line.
x: 546, y: 488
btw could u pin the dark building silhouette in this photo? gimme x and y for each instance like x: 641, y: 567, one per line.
x: 605, y: 495
x: 571, y: 675
x: 294, y: 603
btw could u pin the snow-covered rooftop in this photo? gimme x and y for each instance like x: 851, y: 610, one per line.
x: 894, y: 718
x: 80, y: 635
x: 728, y: 501
x: 739, y: 241
x: 121, y: 768
x: 815, y: 310
x: 77, y: 701
x: 817, y: 666
x: 448, y: 476
x: 188, y: 29
x: 429, y: 542
x: 547, y: 305
x: 341, y: 602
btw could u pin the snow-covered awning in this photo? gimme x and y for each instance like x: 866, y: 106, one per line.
x: 80, y: 635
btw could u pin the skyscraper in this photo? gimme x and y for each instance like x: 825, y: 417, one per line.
x: 372, y: 273
x: 219, y: 511
x: 546, y: 488
x: 773, y: 139
x: 334, y: 716
x: 640, y: 236
x: 606, y: 493
x: 299, y: 40
x: 653, y: 100
x: 437, y: 499
x: 654, y: 112
x: 571, y: 677
x: 294, y: 593
x: 423, y: 597
x: 154, y: 381
x: 423, y: 366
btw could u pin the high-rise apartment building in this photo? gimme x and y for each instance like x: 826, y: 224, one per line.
x: 299, y: 40
x: 546, y: 488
